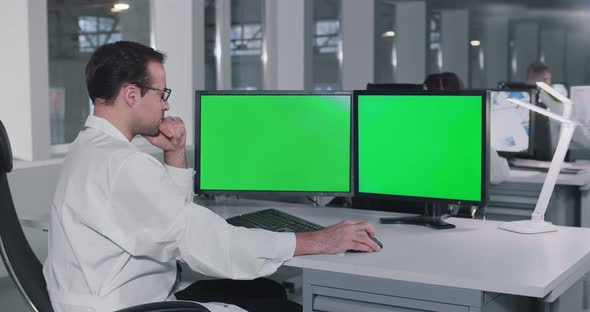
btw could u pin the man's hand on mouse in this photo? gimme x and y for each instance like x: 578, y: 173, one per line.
x: 346, y: 235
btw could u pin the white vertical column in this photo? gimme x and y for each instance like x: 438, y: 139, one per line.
x: 222, y: 43
x: 25, y: 79
x: 269, y: 46
x: 198, y: 20
x: 455, y: 42
x: 285, y: 33
x: 410, y: 41
x: 552, y: 43
x: 358, y: 43
x: 171, y: 24
x: 494, y: 42
x: 575, y: 61
x: 526, y: 50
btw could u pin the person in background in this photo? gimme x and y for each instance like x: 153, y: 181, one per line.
x: 443, y: 81
x: 538, y: 71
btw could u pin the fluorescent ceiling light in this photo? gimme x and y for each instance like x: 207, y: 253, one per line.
x: 475, y: 43
x: 121, y: 6
x: 386, y: 34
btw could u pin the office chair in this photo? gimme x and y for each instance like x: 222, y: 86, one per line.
x: 23, y: 266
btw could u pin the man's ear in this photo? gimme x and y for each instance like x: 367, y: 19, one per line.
x: 131, y: 94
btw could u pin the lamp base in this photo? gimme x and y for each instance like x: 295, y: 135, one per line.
x: 528, y: 227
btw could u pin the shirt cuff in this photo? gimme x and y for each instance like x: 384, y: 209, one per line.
x: 285, y: 244
x: 183, y: 177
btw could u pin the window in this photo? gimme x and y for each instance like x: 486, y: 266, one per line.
x: 95, y: 31
x: 326, y: 58
x: 75, y: 30
x: 246, y: 39
x: 327, y: 36
x: 247, y: 34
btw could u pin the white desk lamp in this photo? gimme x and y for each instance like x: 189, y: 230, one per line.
x: 537, y: 224
x: 567, y: 103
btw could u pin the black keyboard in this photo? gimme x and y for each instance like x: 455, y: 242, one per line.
x: 274, y: 220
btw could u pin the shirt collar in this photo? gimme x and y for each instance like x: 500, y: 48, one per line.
x: 105, y: 127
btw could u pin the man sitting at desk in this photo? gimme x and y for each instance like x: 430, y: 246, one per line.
x: 120, y: 219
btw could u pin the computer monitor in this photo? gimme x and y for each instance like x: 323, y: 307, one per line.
x: 512, y: 127
x: 273, y: 142
x: 509, y: 85
x: 395, y: 86
x: 428, y: 146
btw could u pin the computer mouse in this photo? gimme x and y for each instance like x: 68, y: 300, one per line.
x: 373, y: 239
x: 377, y: 241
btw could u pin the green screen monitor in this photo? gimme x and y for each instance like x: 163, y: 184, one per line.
x: 273, y: 142
x: 429, y: 146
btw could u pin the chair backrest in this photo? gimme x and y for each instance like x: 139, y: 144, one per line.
x: 21, y: 263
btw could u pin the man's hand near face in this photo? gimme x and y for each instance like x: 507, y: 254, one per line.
x: 172, y: 140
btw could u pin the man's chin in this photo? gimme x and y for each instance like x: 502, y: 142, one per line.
x: 151, y: 132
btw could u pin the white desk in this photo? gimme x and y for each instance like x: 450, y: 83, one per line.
x: 464, y: 269
x: 475, y: 267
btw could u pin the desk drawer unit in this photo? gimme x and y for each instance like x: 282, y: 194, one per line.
x: 331, y: 292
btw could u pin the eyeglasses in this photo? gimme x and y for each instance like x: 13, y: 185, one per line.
x: 165, y: 92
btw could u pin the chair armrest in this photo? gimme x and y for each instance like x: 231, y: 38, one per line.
x: 167, y: 306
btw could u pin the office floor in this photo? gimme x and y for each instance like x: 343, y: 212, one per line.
x: 10, y: 298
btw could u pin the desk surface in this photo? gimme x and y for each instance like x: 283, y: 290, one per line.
x: 475, y: 255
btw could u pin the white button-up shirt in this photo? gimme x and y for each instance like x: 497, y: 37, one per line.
x: 120, y: 220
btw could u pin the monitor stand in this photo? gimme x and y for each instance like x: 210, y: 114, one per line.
x: 434, y: 216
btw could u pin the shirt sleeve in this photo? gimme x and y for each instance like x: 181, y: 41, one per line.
x: 183, y: 178
x: 150, y: 217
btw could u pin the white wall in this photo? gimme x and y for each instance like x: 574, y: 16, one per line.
x: 575, y: 60
x: 455, y: 42
x: 495, y: 46
x: 526, y: 47
x: 358, y: 43
x: 289, y: 66
x: 25, y: 108
x: 552, y: 46
x: 171, y: 23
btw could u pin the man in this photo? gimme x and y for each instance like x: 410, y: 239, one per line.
x: 538, y: 71
x: 120, y: 219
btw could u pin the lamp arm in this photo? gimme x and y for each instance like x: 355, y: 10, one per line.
x: 567, y: 103
x: 565, y: 137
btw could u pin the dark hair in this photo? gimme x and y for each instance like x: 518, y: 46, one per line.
x: 115, y: 64
x: 443, y: 81
x: 536, y: 71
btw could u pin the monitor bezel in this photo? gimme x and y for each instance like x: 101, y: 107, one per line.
x: 530, y: 152
x: 197, y: 147
x: 484, y: 195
